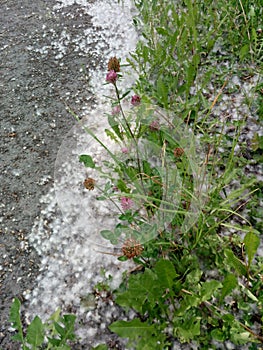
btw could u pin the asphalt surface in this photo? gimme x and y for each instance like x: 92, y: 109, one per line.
x: 37, y: 80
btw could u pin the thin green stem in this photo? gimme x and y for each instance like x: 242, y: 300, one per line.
x: 132, y: 136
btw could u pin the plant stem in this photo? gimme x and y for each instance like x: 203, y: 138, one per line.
x: 132, y: 136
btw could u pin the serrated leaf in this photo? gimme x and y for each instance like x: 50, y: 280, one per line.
x: 132, y: 329
x: 69, y: 322
x: 142, y: 287
x: 229, y: 283
x: 251, y: 242
x: 14, y: 318
x: 229, y: 318
x: 188, y: 302
x: 189, y: 329
x: 87, y: 161
x: 54, y: 341
x: 235, y: 263
x: 218, y: 335
x: 60, y: 329
x: 240, y: 337
x: 194, y: 276
x: 35, y: 333
x: 66, y: 331
x: 208, y: 289
x: 111, y: 135
x: 166, y: 273
x: 17, y: 337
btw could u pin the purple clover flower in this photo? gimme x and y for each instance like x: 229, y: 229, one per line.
x: 126, y: 203
x: 111, y: 77
x: 125, y: 150
x: 135, y: 100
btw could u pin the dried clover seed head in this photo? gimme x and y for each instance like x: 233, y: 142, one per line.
x: 178, y: 152
x: 132, y: 248
x: 89, y: 183
x: 114, y: 64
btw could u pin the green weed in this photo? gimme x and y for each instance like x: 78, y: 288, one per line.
x: 54, y: 334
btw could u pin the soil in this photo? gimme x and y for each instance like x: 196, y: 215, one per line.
x: 35, y: 86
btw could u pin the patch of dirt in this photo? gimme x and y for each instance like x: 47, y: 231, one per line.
x: 37, y: 80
